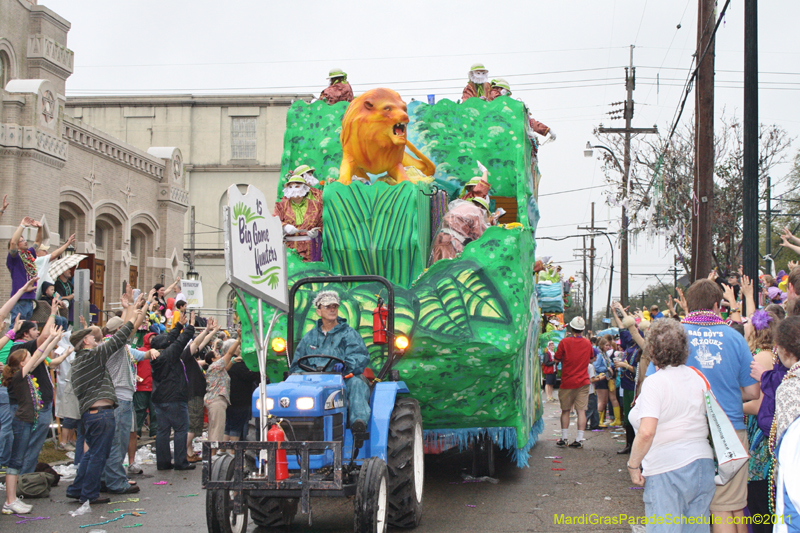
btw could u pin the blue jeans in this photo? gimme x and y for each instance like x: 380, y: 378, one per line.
x: 171, y: 416
x: 98, y: 430
x: 592, y: 416
x: 24, y: 308
x: 685, y: 492
x: 62, y: 322
x: 6, y: 429
x: 22, y: 435
x: 114, y: 473
x: 38, y: 436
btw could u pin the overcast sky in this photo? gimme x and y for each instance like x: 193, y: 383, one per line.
x: 565, y: 59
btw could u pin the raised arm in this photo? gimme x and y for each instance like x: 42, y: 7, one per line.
x: 747, y: 292
x: 629, y: 323
x: 54, y: 362
x: 12, y: 244
x: 60, y: 250
x: 208, y: 333
x: 42, y: 351
x: 228, y: 357
x: 730, y: 297
x: 9, y: 305
x: 786, y: 237
x: 172, y: 287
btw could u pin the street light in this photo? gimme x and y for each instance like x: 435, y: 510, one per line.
x: 69, y: 251
x: 588, y: 153
x: 193, y: 275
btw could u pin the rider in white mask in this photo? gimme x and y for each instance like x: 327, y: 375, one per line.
x: 478, y: 85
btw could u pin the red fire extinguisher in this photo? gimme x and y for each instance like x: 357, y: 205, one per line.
x: 276, y: 434
x: 379, y: 317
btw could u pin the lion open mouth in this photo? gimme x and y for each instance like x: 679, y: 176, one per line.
x: 399, y: 129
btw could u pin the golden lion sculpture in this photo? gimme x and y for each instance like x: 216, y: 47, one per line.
x: 374, y: 138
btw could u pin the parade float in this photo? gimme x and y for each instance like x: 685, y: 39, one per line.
x: 473, y: 320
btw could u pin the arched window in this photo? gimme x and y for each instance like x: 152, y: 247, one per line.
x: 5, y: 69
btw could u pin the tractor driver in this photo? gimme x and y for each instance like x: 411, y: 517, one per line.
x: 333, y: 336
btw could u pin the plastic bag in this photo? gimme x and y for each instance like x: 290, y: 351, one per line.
x: 83, y: 509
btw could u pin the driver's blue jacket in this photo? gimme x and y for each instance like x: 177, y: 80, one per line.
x: 342, y: 341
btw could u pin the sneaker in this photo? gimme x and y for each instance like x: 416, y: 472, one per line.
x: 16, y: 507
x: 561, y: 443
x: 576, y: 444
x: 135, y: 469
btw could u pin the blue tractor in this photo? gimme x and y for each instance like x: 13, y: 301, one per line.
x: 383, y: 469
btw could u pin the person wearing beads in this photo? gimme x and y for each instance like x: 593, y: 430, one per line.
x: 671, y: 449
x: 784, y: 443
x: 17, y: 377
x: 761, y: 330
x: 724, y: 358
x: 632, y: 341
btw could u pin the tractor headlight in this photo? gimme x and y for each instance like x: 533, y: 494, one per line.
x: 270, y: 404
x: 304, y: 404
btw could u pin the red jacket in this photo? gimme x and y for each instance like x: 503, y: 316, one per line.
x: 575, y: 354
x: 548, y: 356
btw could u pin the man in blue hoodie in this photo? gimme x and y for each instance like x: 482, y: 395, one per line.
x: 333, y: 336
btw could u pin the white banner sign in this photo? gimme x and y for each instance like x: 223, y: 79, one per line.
x: 255, y: 258
x: 193, y: 291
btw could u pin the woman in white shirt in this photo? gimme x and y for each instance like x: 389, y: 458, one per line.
x: 671, y: 455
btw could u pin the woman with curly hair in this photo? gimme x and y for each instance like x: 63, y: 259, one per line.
x: 671, y: 456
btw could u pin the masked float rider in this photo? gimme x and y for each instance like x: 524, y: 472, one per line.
x: 307, y: 173
x: 338, y: 90
x: 333, y: 336
x: 301, y: 215
x: 478, y: 85
x: 477, y: 187
x: 499, y: 87
x: 463, y: 223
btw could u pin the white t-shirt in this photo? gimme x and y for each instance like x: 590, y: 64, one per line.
x: 592, y: 373
x: 675, y: 396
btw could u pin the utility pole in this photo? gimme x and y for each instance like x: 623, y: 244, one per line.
x: 585, y: 318
x: 593, y: 231
x: 768, y: 247
x: 627, y: 131
x: 703, y: 208
x: 750, y: 253
x: 191, y: 238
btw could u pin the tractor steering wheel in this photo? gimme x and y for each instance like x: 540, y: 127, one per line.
x: 307, y: 368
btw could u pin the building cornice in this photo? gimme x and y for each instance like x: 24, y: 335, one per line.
x: 38, y: 11
x: 46, y: 53
x: 232, y: 168
x: 189, y: 100
x: 87, y: 138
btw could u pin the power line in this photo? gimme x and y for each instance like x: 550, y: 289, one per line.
x: 574, y: 190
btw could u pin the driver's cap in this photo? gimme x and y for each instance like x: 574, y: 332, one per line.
x: 326, y: 298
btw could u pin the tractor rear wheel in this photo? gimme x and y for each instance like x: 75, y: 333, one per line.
x: 219, y: 503
x: 272, y: 512
x: 405, y: 458
x: 371, y: 497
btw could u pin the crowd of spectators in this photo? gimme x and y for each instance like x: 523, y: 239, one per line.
x: 730, y: 338
x: 144, y: 370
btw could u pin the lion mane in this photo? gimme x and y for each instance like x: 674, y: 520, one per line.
x: 374, y: 138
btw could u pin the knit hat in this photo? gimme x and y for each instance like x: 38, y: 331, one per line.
x: 46, y: 285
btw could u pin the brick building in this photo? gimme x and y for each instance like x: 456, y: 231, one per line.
x: 125, y: 204
x: 225, y: 140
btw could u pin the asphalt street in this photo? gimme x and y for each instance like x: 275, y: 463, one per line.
x: 593, y: 480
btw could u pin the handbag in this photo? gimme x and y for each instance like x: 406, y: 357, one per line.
x: 728, y: 449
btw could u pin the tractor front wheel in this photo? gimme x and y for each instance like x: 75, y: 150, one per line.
x: 371, y: 496
x: 405, y: 458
